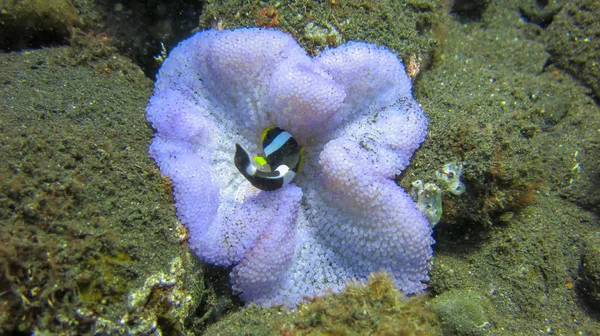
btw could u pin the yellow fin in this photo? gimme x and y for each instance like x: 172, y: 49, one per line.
x: 301, y: 160
x: 260, y: 160
x: 264, y: 132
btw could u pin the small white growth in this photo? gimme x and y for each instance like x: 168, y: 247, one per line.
x: 429, y: 200
x: 450, y: 175
x: 162, y: 55
x: 328, y: 35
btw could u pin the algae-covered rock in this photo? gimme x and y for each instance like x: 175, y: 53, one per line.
x: 542, y: 14
x: 463, y: 312
x: 30, y: 23
x: 590, y: 270
x: 405, y: 27
x: 572, y: 40
x: 374, y: 308
x: 252, y: 320
x: 469, y: 9
x: 89, y: 243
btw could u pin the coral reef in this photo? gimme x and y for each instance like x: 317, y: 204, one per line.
x: 344, y: 217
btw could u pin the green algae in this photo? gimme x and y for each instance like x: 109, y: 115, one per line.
x: 572, y: 39
x: 252, y: 320
x: 499, y: 105
x: 527, y: 133
x: 374, y: 308
x: 463, y: 312
x: 139, y: 29
x: 406, y: 27
x: 31, y: 23
x: 590, y: 270
x: 84, y: 218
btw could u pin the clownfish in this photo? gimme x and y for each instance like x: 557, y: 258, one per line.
x: 282, y: 160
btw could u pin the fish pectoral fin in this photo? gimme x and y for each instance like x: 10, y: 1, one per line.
x: 260, y: 160
x: 242, y: 161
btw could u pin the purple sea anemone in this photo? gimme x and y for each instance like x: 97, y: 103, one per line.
x: 343, y: 216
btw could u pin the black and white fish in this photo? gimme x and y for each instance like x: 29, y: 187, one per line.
x: 281, y: 162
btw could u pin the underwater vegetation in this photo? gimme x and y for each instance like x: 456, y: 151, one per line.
x: 72, y: 236
x: 46, y: 191
x: 527, y: 135
x: 34, y: 23
x: 402, y: 26
x: 572, y: 29
x: 372, y: 308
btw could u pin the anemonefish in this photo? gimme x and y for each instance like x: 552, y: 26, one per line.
x: 282, y: 160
